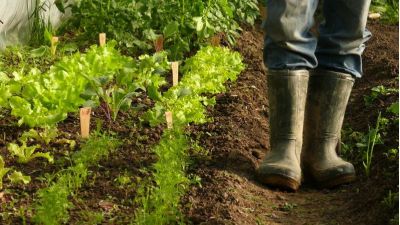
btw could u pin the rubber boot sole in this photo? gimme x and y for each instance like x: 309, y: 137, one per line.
x: 328, y: 183
x: 337, y: 181
x: 279, y: 181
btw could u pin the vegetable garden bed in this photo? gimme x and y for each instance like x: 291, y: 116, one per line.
x: 162, y: 152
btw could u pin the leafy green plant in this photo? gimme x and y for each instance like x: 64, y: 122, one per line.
x: 116, y: 92
x: 45, y: 136
x: 204, y: 73
x: 18, y: 177
x: 27, y: 153
x: 3, y: 171
x: 376, y: 92
x: 102, y: 76
x: 183, y: 24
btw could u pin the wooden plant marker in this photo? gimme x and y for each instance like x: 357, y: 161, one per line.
x: 54, y: 41
x: 102, y: 39
x: 216, y: 40
x: 159, y: 44
x: 168, y: 117
x: 175, y: 73
x: 85, y: 121
x: 374, y: 16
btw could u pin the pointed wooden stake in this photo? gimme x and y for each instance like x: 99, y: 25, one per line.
x: 102, y: 39
x: 168, y: 117
x: 216, y: 40
x: 159, y: 44
x: 54, y: 41
x: 85, y: 121
x: 175, y: 73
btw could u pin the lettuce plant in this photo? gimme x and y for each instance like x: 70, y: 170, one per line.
x: 27, y: 153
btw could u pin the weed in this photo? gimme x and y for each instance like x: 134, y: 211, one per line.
x: 391, y: 201
x: 123, y: 179
x: 40, y: 29
x: 287, y: 207
x: 392, y: 154
x: 373, y: 138
x: 376, y: 92
x: 91, y: 217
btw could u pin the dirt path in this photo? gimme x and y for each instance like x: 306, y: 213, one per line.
x: 238, y: 140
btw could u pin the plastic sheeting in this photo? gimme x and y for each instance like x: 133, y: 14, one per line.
x: 15, y: 22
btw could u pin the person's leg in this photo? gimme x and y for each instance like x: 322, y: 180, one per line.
x: 289, y: 51
x: 287, y: 92
x: 342, y: 35
x: 340, y: 46
x: 288, y: 42
x: 328, y: 93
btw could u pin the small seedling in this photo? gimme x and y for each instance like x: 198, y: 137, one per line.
x: 18, y: 177
x: 26, y: 153
x: 3, y: 171
x: 373, y: 137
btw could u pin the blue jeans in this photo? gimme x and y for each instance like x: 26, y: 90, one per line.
x: 289, y: 43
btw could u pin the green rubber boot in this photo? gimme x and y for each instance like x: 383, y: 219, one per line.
x: 328, y: 94
x: 287, y: 92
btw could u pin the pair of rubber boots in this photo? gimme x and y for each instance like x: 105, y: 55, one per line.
x: 315, y: 101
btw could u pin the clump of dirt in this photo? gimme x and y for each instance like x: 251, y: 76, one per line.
x: 238, y: 139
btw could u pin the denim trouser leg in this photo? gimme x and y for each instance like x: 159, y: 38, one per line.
x: 288, y: 42
x: 290, y: 45
x: 342, y: 36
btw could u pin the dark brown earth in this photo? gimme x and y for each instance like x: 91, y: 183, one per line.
x: 238, y: 139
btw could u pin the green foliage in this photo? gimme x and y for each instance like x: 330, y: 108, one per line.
x: 388, y: 8
x: 27, y: 153
x: 18, y: 177
x: 394, y: 108
x: 378, y: 91
x: 40, y: 29
x: 245, y: 11
x: 391, y: 201
x: 43, y: 99
x: 22, y: 59
x: 45, y: 136
x: 3, y: 171
x: 117, y: 91
x: 53, y: 204
x: 160, y: 203
x: 204, y: 73
x: 136, y: 24
x: 365, y: 143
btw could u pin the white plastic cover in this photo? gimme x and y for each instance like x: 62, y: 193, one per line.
x: 14, y: 19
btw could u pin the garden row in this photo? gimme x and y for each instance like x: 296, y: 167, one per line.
x: 42, y: 88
